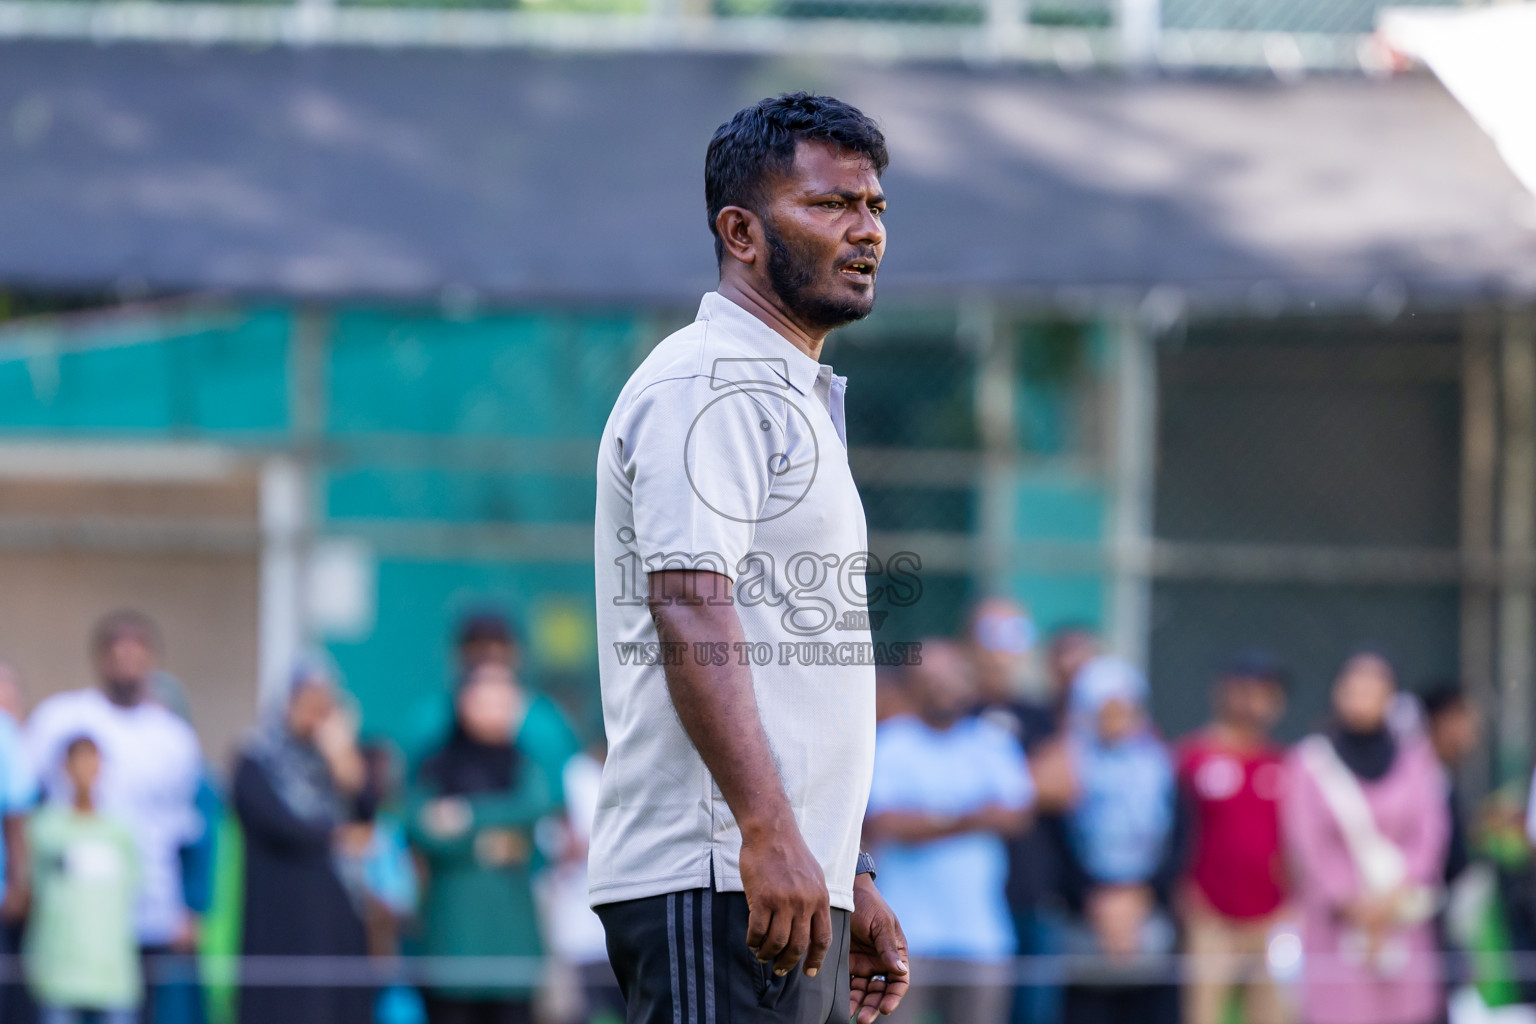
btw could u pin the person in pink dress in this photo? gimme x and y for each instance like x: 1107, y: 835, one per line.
x: 1364, y: 819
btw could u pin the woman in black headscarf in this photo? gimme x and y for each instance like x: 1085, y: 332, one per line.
x: 471, y: 818
x: 298, y: 782
x: 1365, y: 823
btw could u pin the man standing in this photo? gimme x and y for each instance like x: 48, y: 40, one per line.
x: 150, y: 767
x: 1000, y: 636
x: 1455, y: 727
x: 736, y: 660
x: 951, y: 789
x: 1230, y: 775
x: 17, y: 794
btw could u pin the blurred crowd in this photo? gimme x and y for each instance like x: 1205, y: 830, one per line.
x: 1219, y: 878
x: 131, y: 873
x: 1050, y: 855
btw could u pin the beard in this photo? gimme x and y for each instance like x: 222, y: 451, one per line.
x: 124, y: 692
x: 792, y: 270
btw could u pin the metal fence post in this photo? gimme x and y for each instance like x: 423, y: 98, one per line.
x: 981, y: 324
x: 1139, y: 23
x: 1517, y: 528
x: 1135, y: 452
x: 1006, y: 22
x: 1479, y: 482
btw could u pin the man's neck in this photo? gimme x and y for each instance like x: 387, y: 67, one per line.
x: 939, y: 723
x: 765, y: 305
x: 1238, y: 736
x: 124, y: 695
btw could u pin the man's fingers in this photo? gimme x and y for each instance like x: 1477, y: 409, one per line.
x: 821, y: 939
x: 795, y: 945
x: 891, y: 956
x: 777, y: 938
x: 759, y: 918
x: 894, y: 991
x: 870, y: 1008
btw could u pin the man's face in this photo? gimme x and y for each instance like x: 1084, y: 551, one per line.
x: 942, y: 685
x: 1256, y: 703
x: 1001, y: 637
x: 1069, y: 652
x: 825, y: 236
x: 1456, y: 733
x: 125, y: 662
x: 484, y: 652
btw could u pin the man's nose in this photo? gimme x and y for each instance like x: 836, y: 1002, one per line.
x: 869, y: 230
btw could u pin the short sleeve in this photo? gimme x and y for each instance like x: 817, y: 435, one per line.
x: 41, y: 742
x: 18, y: 783
x: 1014, y: 787
x: 699, y: 455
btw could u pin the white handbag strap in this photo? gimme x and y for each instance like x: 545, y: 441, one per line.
x: 1381, y: 865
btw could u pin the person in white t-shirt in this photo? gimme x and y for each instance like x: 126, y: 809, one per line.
x: 150, y: 766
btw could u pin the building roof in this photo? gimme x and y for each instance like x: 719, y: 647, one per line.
x: 518, y: 176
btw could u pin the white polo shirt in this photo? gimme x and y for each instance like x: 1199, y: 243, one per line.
x: 726, y: 451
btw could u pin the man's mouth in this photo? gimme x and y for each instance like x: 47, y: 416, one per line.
x: 860, y: 270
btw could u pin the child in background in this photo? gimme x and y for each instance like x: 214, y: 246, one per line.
x: 1123, y: 843
x: 81, y: 951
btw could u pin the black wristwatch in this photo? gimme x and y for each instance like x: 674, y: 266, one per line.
x: 866, y: 865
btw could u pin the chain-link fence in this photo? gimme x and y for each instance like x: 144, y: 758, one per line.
x: 1283, y: 36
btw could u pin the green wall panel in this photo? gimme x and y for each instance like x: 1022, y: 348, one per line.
x: 217, y: 374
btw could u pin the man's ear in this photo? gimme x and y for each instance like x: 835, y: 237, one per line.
x: 741, y: 233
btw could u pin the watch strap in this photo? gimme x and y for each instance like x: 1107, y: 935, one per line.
x: 866, y: 865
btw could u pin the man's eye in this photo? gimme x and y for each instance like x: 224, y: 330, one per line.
x: 833, y: 204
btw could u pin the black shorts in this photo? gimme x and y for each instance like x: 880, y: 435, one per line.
x: 682, y: 958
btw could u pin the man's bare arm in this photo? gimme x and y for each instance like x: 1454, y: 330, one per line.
x: 921, y: 827
x: 786, y: 890
x: 18, y: 871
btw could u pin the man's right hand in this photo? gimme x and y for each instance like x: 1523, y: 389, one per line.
x: 789, y: 913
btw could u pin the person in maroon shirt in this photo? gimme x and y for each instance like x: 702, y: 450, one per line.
x: 1229, y: 777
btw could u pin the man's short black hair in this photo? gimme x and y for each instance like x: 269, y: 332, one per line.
x: 484, y: 625
x: 1443, y: 696
x: 759, y: 143
x: 125, y: 624
x: 1258, y: 665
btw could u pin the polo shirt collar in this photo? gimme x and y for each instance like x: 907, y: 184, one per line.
x: 764, y: 340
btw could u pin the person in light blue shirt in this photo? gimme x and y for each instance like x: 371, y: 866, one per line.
x: 18, y: 792
x: 949, y: 791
